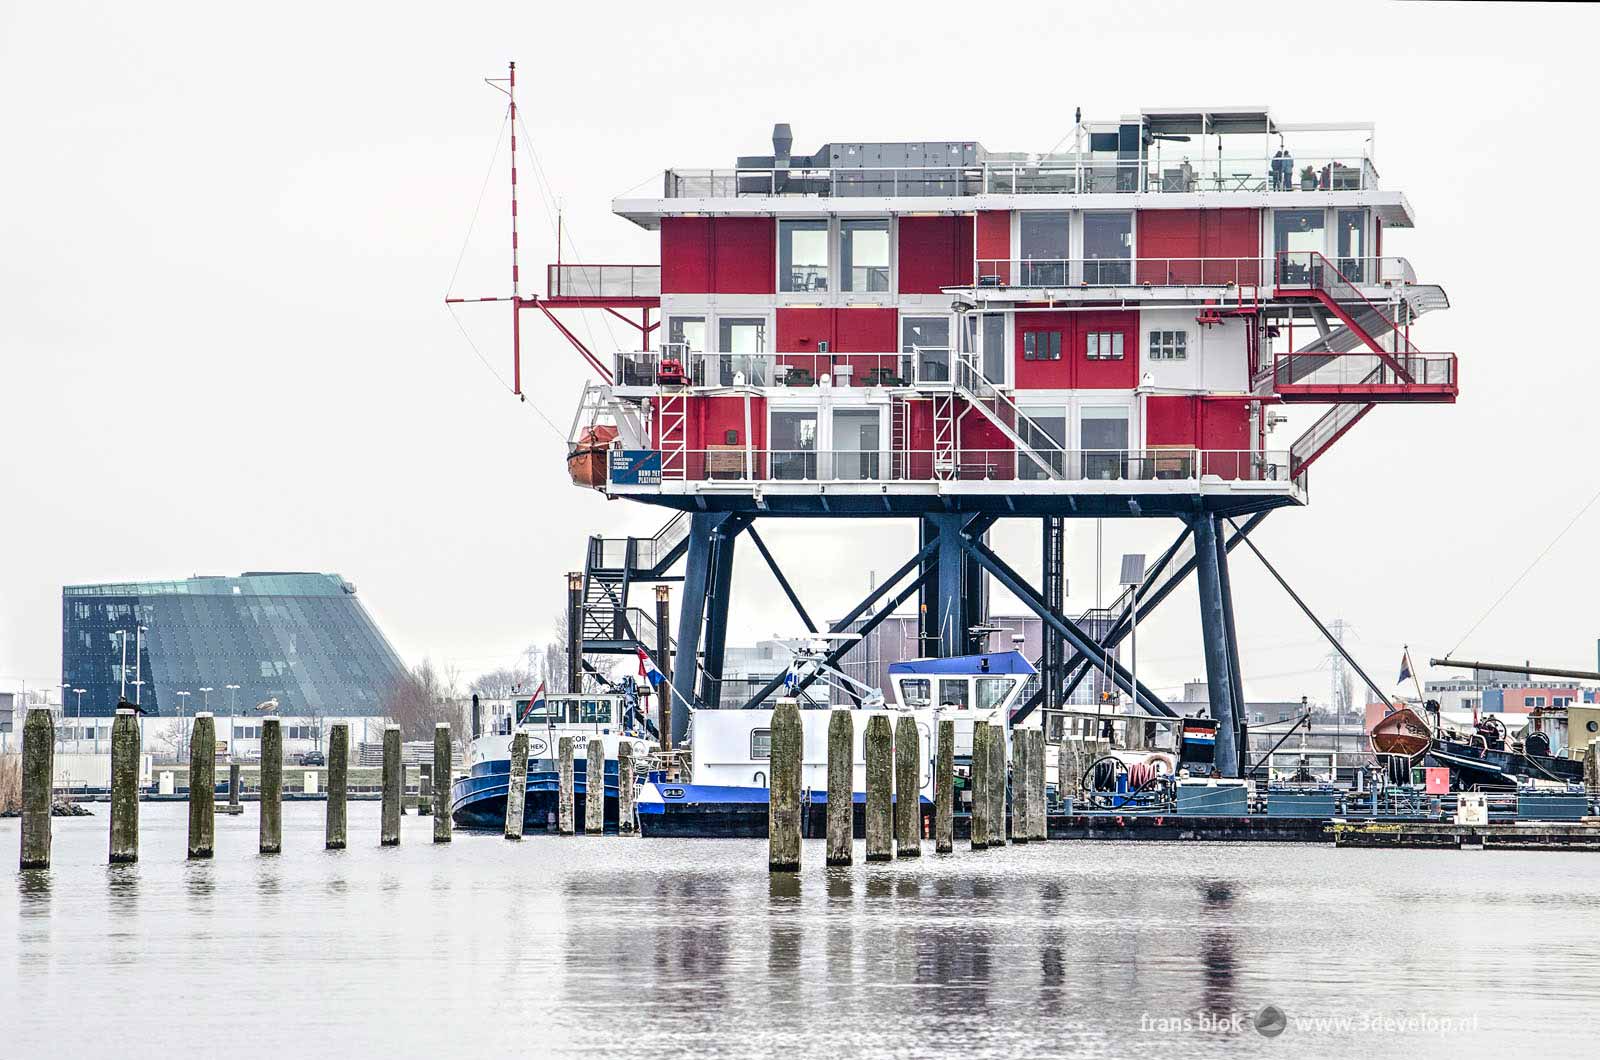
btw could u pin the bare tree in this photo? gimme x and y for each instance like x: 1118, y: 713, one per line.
x: 503, y: 683
x: 421, y: 698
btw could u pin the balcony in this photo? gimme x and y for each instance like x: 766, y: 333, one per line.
x: 1088, y: 175
x: 1062, y: 274
x: 600, y: 286
x: 1182, y: 466
x: 675, y: 366
x: 1312, y: 378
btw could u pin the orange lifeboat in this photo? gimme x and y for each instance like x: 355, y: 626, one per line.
x: 586, y: 458
x: 1402, y: 732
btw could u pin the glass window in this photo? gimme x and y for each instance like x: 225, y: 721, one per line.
x: 992, y: 691
x: 1103, y: 345
x: 928, y: 340
x: 1044, y: 237
x: 986, y: 337
x: 1107, y: 248
x: 1045, y: 431
x: 1298, y: 238
x: 742, y: 345
x: 802, y: 255
x: 760, y: 744
x: 952, y: 691
x: 1350, y: 232
x: 856, y: 442
x: 864, y: 255
x: 1041, y: 345
x: 915, y: 692
x: 794, y: 444
x: 688, y: 333
x: 1169, y: 345
x: 1103, y: 435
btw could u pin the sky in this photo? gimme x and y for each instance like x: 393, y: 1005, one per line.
x: 227, y: 235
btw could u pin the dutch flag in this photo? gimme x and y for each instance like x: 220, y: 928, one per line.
x: 648, y: 671
x: 536, y: 701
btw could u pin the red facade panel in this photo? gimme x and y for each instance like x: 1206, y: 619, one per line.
x: 1105, y: 374
x: 1169, y: 244
x: 1075, y: 369
x: 935, y: 253
x: 1170, y: 420
x: 1225, y: 436
x: 994, y: 245
x: 1234, y: 237
x: 685, y: 255
x: 715, y: 421
x: 744, y: 255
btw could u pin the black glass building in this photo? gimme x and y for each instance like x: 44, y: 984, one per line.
x: 301, y: 638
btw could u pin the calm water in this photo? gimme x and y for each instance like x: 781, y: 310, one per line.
x: 669, y: 947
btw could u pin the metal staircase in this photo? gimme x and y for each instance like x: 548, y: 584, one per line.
x: 613, y: 564
x: 1026, y: 435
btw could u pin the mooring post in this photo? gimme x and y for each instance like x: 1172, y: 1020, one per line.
x: 338, y: 783
x: 443, y: 782
x: 594, y: 788
x: 566, y: 802
x: 1038, y: 809
x: 907, y: 788
x: 124, y: 787
x: 235, y: 788
x: 517, y: 786
x: 841, y: 787
x: 944, y: 794
x: 627, y: 813
x: 783, y: 796
x: 38, y: 772
x: 997, y: 786
x: 271, y: 785
x: 978, y: 785
x: 392, y: 791
x: 203, y: 787
x: 1022, y: 829
x: 425, y: 789
x: 880, y: 789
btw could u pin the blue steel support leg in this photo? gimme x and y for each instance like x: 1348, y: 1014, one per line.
x: 719, y: 584
x: 950, y: 607
x: 691, y: 617
x: 1235, y: 674
x: 1214, y: 634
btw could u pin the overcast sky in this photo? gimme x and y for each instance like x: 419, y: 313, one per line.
x: 226, y: 238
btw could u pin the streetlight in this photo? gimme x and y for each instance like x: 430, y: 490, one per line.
x: 233, y: 710
x: 66, y: 686
x: 78, y: 720
x: 183, y: 725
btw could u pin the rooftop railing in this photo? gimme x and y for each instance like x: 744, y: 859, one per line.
x: 1242, y: 173
x: 738, y: 463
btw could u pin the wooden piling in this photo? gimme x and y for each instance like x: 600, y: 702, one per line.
x: 566, y: 803
x: 841, y: 787
x: 880, y: 789
x: 125, y: 787
x: 1020, y: 831
x: 907, y: 789
x: 392, y: 790
x: 998, y: 779
x: 425, y: 790
x: 783, y: 795
x: 517, y: 786
x: 203, y: 787
x: 1038, y: 811
x: 271, y: 785
x: 594, y: 788
x: 978, y: 785
x: 235, y: 789
x: 338, y: 783
x: 442, y: 782
x: 627, y: 790
x: 38, y: 778
x: 944, y: 793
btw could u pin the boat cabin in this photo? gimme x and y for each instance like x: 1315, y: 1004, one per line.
x: 588, y: 711
x: 984, y: 683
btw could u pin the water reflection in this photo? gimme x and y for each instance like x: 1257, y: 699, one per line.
x: 1218, y: 946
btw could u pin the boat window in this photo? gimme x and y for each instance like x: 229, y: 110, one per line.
x: 916, y: 692
x: 953, y: 692
x: 992, y: 691
x: 760, y: 744
x: 595, y: 712
x: 546, y: 713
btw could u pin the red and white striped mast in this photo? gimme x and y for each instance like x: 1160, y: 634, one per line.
x: 516, y: 294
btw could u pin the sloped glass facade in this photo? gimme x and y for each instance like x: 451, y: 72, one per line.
x: 301, y: 638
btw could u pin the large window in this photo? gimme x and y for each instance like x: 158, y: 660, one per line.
x: 1169, y: 345
x: 1045, y: 431
x: 742, y: 343
x: 1044, y: 236
x: 986, y: 338
x: 794, y: 444
x: 927, y: 339
x: 856, y: 442
x: 1108, y: 248
x: 1353, y: 262
x: 1103, y: 435
x: 864, y: 255
x: 688, y: 333
x: 802, y: 255
x: 1298, y: 237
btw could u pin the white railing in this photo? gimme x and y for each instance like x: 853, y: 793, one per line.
x: 603, y: 281
x: 1288, y: 269
x: 1154, y: 174
x: 739, y: 463
x: 1364, y: 370
x: 675, y: 365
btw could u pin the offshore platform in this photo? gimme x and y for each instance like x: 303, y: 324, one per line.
x: 954, y: 335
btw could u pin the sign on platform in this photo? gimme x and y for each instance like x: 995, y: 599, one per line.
x: 635, y: 467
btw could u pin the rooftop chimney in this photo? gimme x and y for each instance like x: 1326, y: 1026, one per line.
x: 782, y: 141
